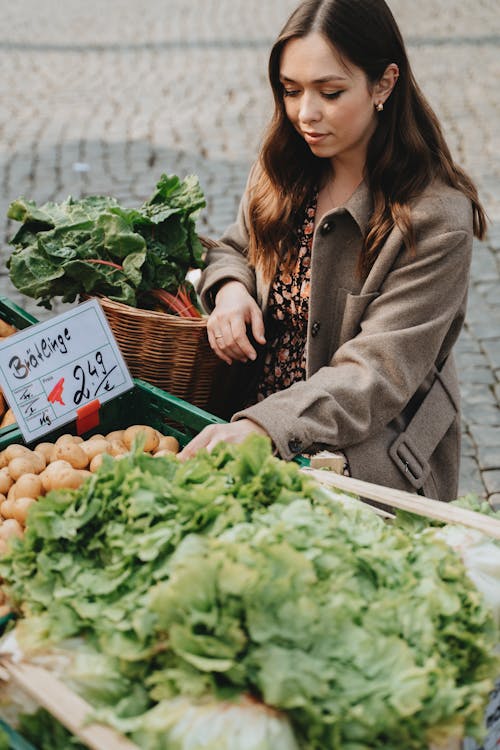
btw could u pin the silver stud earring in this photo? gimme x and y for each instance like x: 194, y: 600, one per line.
x: 379, y: 107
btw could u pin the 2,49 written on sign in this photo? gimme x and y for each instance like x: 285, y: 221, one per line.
x: 51, y: 369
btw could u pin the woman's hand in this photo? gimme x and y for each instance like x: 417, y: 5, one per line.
x: 235, y: 309
x: 234, y: 432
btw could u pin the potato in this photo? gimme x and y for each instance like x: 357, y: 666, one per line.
x: 165, y: 452
x: 117, y: 447
x: 7, y: 419
x: 7, y: 508
x: 6, y: 329
x: 46, y: 450
x: 72, y: 453
x: 32, y: 464
x: 29, y: 485
x: 21, y: 465
x: 21, y: 508
x: 148, y: 434
x: 97, y: 436
x: 168, y: 443
x: 10, y: 528
x: 4, y: 548
x: 96, y: 462
x: 67, y: 438
x: 14, y: 450
x: 115, y: 435
x: 67, y: 478
x: 3, y: 460
x: 94, y: 447
x: 6, y: 480
x: 52, y: 470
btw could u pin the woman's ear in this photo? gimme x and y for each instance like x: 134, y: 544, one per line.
x: 383, y: 88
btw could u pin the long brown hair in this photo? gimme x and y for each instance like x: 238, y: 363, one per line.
x: 406, y: 152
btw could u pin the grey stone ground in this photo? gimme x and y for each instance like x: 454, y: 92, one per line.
x: 130, y: 90
x: 134, y: 89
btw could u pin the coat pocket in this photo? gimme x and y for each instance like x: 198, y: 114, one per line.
x: 350, y: 311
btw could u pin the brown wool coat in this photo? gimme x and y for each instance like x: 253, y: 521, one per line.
x: 381, y: 383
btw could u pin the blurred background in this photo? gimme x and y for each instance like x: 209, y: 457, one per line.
x: 102, y: 98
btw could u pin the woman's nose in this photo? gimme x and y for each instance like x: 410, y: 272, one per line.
x: 309, y: 110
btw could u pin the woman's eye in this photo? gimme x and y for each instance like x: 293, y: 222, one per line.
x: 331, y: 95
x: 290, y: 92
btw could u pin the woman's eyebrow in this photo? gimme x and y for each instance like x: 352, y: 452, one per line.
x: 323, y: 79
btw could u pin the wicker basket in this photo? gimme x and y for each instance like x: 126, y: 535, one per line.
x: 170, y: 352
x: 166, y: 350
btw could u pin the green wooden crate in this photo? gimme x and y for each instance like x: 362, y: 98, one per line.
x: 144, y: 404
x: 16, y: 742
x: 15, y: 315
x: 19, y: 318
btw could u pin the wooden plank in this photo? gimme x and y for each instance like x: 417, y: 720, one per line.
x: 421, y: 506
x: 65, y: 705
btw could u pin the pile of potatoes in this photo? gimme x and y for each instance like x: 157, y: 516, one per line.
x: 6, y: 414
x: 26, y: 475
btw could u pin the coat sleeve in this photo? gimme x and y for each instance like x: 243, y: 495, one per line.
x: 228, y: 260
x: 415, y: 318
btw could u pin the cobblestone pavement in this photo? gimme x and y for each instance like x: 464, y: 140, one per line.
x: 104, y: 97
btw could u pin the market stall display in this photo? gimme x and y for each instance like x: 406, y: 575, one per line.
x: 235, y: 577
x: 232, y: 599
x: 136, y: 261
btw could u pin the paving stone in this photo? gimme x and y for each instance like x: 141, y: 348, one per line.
x: 486, y: 435
x: 492, y: 350
x: 487, y: 328
x: 472, y: 359
x: 467, y: 343
x: 492, y: 481
x: 488, y: 458
x: 484, y: 267
x: 468, y: 447
x: 496, y: 389
x: 494, y: 501
x: 476, y: 375
x: 474, y: 393
x: 481, y: 414
x: 470, y: 480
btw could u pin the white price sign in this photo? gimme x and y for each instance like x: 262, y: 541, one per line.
x: 51, y: 369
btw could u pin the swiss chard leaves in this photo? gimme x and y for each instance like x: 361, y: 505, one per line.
x: 95, y: 246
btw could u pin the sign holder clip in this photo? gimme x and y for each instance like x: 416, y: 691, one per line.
x: 87, y: 416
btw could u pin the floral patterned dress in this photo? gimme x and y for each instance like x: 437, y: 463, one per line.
x: 288, y: 305
x: 285, y: 361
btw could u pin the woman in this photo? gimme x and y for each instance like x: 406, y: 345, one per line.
x: 349, y: 260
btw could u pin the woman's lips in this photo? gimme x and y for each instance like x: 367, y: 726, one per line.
x: 314, y: 137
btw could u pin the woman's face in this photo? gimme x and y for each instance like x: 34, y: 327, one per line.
x: 329, y: 104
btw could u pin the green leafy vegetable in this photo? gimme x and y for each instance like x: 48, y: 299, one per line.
x: 233, y: 575
x: 46, y: 733
x: 95, y: 246
x: 4, y: 740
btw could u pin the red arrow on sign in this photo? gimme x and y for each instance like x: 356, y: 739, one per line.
x: 56, y: 393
